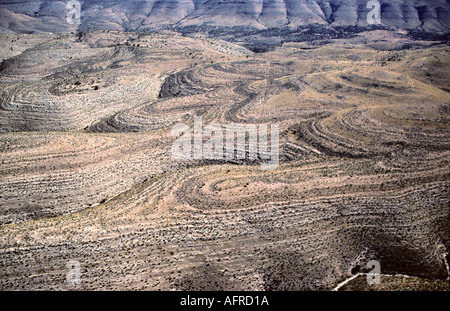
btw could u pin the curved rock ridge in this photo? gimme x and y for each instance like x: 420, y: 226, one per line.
x: 50, y: 16
x: 87, y: 171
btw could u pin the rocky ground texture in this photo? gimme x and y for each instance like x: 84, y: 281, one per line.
x: 86, y: 171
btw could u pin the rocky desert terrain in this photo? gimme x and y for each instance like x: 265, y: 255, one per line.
x: 37, y: 16
x: 87, y: 175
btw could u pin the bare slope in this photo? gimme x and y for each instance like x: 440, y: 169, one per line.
x: 50, y: 16
x: 364, y: 172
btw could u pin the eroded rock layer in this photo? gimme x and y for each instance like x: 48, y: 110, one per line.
x: 51, y: 16
x: 87, y: 173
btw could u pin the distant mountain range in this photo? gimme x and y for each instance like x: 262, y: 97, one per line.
x: 50, y: 16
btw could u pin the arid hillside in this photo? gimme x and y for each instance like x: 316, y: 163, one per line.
x: 25, y: 16
x: 87, y: 174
